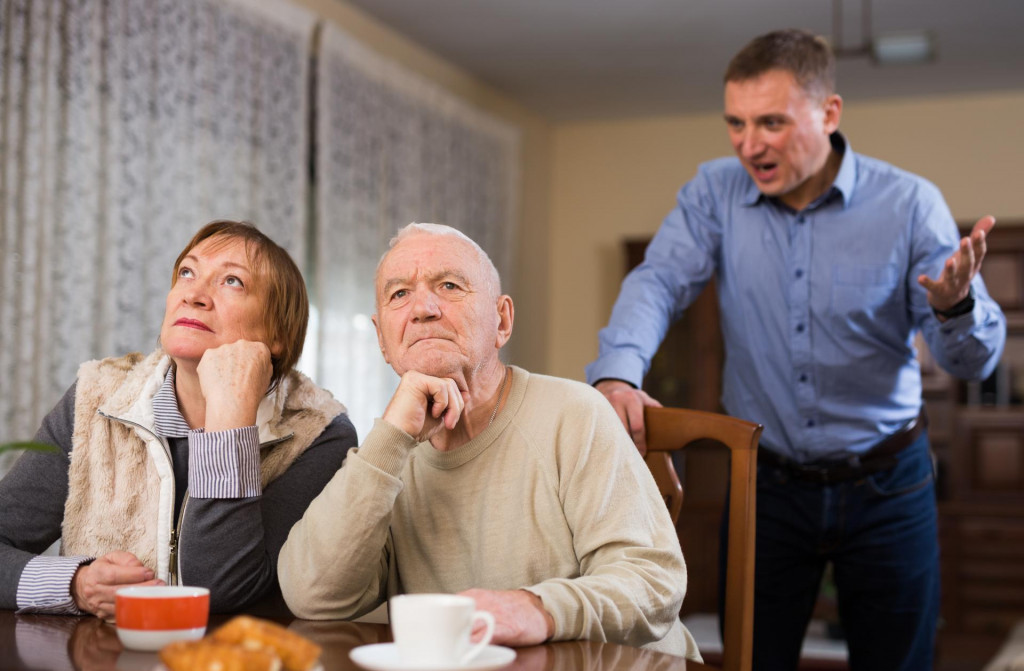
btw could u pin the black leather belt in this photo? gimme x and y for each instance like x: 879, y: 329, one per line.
x: 879, y: 458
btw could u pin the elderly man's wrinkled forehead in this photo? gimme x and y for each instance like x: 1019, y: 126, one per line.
x: 418, y: 252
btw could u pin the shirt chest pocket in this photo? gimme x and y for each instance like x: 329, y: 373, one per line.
x: 864, y: 289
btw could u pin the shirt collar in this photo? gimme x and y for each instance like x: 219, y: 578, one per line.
x: 843, y: 183
x: 168, y: 421
x: 753, y: 195
x: 847, y: 175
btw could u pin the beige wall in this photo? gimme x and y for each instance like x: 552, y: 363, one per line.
x: 528, y: 346
x: 587, y: 186
x: 619, y: 179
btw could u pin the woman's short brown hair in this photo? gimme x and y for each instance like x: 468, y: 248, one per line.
x: 286, y: 312
x: 806, y: 56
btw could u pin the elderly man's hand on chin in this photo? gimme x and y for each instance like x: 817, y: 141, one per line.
x: 519, y: 616
x: 423, y: 404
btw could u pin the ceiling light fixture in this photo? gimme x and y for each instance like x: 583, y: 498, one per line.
x: 891, y: 49
x: 903, y: 48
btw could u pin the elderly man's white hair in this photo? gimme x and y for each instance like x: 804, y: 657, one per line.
x: 441, y: 229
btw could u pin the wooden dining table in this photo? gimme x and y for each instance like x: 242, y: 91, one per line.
x: 61, y: 643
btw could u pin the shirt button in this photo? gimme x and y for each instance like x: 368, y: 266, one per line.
x: 803, y: 377
x: 799, y: 273
x: 801, y: 219
x: 799, y: 328
x: 810, y: 422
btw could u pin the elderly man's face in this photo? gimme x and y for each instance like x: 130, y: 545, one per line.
x: 436, y: 309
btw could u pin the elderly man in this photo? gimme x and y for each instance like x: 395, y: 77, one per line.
x: 481, y: 478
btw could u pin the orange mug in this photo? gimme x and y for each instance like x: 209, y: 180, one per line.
x: 148, y: 618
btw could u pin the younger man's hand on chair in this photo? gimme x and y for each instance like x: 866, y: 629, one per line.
x: 629, y: 403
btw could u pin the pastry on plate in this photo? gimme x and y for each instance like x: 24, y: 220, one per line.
x: 297, y: 652
x: 209, y: 655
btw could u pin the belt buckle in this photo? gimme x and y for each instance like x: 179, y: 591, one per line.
x: 814, y: 473
x: 826, y: 474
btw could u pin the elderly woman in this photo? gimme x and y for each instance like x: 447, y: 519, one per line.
x: 186, y: 466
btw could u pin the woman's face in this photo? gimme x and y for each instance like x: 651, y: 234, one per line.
x: 216, y: 299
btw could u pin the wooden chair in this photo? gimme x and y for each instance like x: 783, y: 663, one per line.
x: 672, y: 429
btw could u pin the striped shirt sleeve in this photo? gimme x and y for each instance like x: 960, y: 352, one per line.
x: 45, y: 585
x: 224, y: 464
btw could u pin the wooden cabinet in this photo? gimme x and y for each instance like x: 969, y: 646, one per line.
x: 987, y: 457
x: 980, y: 447
x: 976, y: 431
x: 982, y: 549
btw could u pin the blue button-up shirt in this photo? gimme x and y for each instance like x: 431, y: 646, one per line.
x: 819, y: 308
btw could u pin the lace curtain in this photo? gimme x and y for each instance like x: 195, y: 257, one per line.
x: 124, y: 126
x: 391, y: 148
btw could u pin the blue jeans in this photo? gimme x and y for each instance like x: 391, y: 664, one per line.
x: 880, y: 533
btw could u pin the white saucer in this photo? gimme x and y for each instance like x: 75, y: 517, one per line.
x: 384, y: 657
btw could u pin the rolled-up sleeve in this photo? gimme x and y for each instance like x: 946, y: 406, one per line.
x: 45, y: 585
x: 224, y: 464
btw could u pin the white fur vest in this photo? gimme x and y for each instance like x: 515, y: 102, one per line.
x: 121, y: 481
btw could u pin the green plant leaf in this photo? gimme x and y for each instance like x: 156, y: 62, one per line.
x: 27, y: 445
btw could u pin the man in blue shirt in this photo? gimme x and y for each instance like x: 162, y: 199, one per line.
x: 827, y: 263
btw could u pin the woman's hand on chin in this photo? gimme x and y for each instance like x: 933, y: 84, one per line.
x: 234, y: 379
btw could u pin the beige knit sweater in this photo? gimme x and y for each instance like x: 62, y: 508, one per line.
x: 552, y: 497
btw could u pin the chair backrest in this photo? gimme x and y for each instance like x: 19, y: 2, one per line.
x: 672, y: 429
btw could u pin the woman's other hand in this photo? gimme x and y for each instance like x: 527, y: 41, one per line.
x: 94, y: 584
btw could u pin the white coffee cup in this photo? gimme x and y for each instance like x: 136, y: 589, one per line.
x: 434, y: 629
